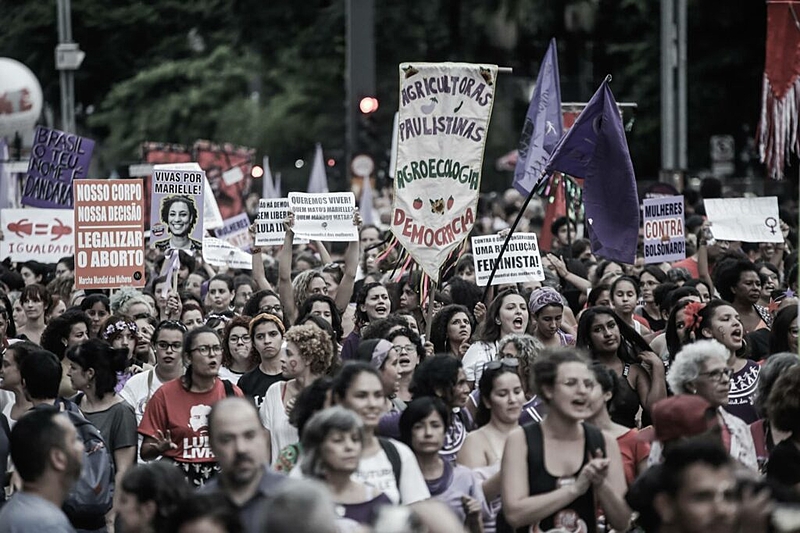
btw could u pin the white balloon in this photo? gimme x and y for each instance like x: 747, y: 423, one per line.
x: 20, y: 100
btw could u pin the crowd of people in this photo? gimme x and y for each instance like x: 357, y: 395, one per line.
x: 337, y: 392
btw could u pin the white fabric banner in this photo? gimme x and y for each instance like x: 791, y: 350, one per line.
x: 441, y: 135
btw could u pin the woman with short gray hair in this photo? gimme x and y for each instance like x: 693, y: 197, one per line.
x: 701, y: 368
x: 332, y: 444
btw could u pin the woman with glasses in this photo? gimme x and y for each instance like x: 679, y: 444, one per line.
x: 237, y: 354
x: 720, y: 321
x: 175, y: 423
x: 264, y: 301
x: 443, y: 376
x: 308, y: 357
x: 502, y: 397
x: 266, y: 335
x: 218, y: 321
x: 556, y: 473
x: 167, y: 341
x: 703, y: 368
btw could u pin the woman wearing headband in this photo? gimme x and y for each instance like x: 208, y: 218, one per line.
x: 547, y: 308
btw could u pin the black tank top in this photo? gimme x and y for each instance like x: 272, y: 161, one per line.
x: 580, y: 515
x: 626, y: 402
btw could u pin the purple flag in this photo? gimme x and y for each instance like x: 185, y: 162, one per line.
x: 596, y: 150
x: 543, y: 125
x: 56, y: 159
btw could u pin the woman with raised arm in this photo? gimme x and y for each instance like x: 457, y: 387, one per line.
x: 293, y: 294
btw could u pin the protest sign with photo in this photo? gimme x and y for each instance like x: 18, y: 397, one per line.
x: 219, y: 253
x: 521, y: 261
x: 441, y: 128
x: 744, y: 219
x: 57, y: 158
x: 235, y: 231
x: 109, y: 234
x: 269, y: 224
x: 324, y: 216
x: 176, y: 213
x: 664, y: 233
x: 44, y: 235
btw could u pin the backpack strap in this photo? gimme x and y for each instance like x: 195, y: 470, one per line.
x: 594, y: 439
x: 394, y: 457
x: 228, y: 388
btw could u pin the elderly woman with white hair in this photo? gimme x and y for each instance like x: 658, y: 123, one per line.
x: 702, y: 368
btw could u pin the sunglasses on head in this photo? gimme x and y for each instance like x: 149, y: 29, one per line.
x: 506, y: 362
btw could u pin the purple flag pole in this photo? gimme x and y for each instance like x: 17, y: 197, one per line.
x: 596, y: 150
x: 543, y: 127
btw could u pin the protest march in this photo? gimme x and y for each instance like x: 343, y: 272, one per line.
x: 443, y: 339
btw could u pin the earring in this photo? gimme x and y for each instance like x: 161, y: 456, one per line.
x: 497, y: 321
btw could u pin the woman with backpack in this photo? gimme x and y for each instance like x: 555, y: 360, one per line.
x: 386, y: 464
x: 93, y: 368
x: 175, y: 424
x: 557, y: 472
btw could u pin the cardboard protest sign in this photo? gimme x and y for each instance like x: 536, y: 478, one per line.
x: 109, y: 234
x: 324, y: 216
x: 219, y: 253
x: 57, y: 158
x: 235, y: 231
x: 442, y: 125
x: 44, y: 235
x: 176, y: 214
x: 521, y: 261
x: 664, y: 233
x: 744, y: 219
x: 269, y: 224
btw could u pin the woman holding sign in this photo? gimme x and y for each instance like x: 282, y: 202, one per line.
x: 179, y: 214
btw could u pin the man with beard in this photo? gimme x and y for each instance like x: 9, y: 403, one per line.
x: 239, y: 443
x: 47, y: 454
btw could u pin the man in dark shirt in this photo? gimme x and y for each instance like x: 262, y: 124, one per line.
x: 239, y: 443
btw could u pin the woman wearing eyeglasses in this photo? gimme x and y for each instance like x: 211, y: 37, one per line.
x: 720, y: 321
x: 556, y: 473
x: 237, y: 355
x: 167, y: 344
x: 502, y: 397
x: 175, y: 424
x: 703, y: 368
x: 443, y: 376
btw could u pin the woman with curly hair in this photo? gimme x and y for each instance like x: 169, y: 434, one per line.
x: 308, y: 356
x: 719, y: 320
x: 373, y: 303
x: 237, y: 356
x: 179, y: 215
x: 739, y: 284
x: 451, y: 329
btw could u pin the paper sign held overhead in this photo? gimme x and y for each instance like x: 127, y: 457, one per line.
x: 521, y: 261
x: 109, y: 234
x: 324, y: 217
x: 219, y: 253
x: 745, y: 219
x: 176, y: 216
x: 269, y: 224
x: 235, y: 231
x: 664, y: 233
x: 44, y: 235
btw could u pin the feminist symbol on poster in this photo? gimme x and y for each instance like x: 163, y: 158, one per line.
x: 57, y: 158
